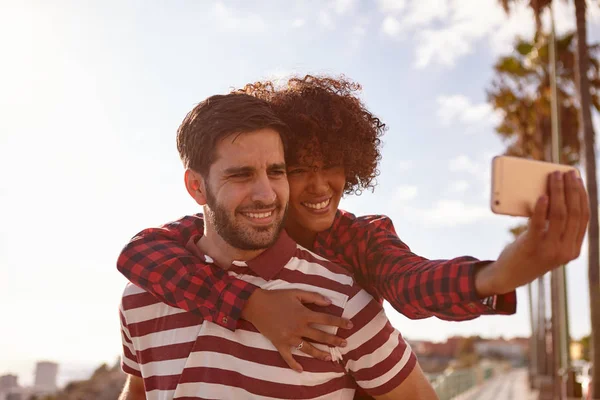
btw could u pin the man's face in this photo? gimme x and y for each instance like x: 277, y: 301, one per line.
x: 247, y: 190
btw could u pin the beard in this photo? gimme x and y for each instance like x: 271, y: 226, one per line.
x: 238, y: 234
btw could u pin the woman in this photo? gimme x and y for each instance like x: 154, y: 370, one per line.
x: 333, y: 149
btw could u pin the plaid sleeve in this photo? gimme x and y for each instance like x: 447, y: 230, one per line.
x: 376, y: 355
x: 157, y: 261
x: 421, y: 288
x: 129, y: 361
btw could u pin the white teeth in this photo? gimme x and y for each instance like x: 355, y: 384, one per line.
x: 259, y: 215
x: 317, y: 206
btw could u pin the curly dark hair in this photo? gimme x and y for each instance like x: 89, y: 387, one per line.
x: 328, y: 122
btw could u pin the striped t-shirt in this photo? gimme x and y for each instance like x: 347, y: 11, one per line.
x: 180, y: 356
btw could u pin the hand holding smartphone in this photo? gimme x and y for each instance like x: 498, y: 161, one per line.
x: 517, y: 184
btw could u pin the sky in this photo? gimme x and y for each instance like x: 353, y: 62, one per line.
x: 92, y: 94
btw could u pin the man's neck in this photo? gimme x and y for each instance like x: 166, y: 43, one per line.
x: 222, y: 252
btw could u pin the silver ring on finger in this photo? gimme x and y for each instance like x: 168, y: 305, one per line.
x: 299, y: 347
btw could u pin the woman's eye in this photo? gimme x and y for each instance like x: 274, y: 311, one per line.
x: 296, y: 171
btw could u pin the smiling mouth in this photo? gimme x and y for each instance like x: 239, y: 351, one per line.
x: 317, y: 206
x: 258, y: 215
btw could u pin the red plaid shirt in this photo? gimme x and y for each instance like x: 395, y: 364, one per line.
x: 157, y: 261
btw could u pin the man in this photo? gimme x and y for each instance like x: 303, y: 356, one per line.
x: 233, y: 151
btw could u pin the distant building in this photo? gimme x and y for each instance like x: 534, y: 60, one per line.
x: 8, y: 382
x: 16, y: 393
x: 46, y: 373
x: 514, y: 351
x: 45, y: 383
x: 446, y: 349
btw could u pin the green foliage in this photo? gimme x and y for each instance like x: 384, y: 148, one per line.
x: 466, y: 346
x: 536, y: 5
x: 524, y: 48
x: 518, y: 230
x: 521, y: 90
x: 585, y: 343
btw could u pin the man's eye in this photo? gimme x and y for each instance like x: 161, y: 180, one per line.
x: 278, y: 173
x: 240, y: 176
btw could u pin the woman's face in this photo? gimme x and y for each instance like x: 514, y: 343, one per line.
x: 315, y: 193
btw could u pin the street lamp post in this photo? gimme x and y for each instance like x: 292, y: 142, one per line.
x: 560, y: 322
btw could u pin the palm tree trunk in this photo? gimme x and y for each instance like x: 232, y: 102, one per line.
x: 533, y: 366
x: 590, y: 170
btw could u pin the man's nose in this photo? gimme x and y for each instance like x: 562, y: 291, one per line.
x: 263, y: 191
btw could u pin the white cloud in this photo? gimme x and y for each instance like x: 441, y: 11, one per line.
x: 298, y: 22
x: 280, y: 76
x: 453, y: 212
x: 343, y: 6
x: 460, y: 186
x: 424, y: 12
x: 442, y: 46
x: 326, y: 20
x: 405, y: 192
x: 596, y: 124
x: 392, y: 5
x: 563, y: 16
x: 391, y: 26
x: 465, y: 22
x: 404, y: 165
x: 506, y: 29
x: 463, y: 163
x: 360, y: 27
x: 445, y: 212
x: 458, y: 108
x: 480, y: 170
x: 446, y: 30
x: 227, y: 20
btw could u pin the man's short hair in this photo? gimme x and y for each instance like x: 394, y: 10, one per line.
x: 218, y: 117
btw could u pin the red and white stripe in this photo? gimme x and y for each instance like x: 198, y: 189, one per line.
x: 180, y: 356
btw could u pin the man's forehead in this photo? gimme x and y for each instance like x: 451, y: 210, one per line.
x: 230, y: 161
x: 242, y: 166
x: 263, y: 139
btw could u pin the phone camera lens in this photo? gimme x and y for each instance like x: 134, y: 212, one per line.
x: 497, y: 202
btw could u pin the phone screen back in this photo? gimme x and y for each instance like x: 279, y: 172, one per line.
x: 517, y: 184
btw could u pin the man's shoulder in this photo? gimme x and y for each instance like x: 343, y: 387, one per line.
x: 134, y: 297
x: 132, y: 290
x: 187, y: 221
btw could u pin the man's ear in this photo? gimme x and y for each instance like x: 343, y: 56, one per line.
x: 195, y: 185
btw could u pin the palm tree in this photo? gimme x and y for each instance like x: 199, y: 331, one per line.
x: 521, y: 90
x: 537, y: 6
x: 585, y: 103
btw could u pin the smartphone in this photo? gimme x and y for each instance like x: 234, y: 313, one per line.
x: 517, y: 184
